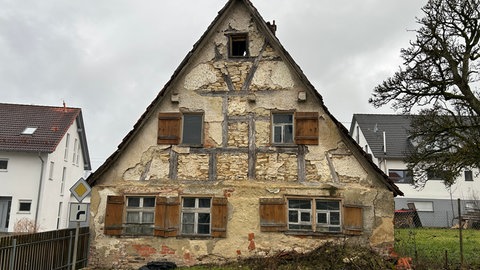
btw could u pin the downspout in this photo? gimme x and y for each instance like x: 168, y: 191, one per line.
x: 39, y: 192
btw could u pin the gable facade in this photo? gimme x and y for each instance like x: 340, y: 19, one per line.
x: 38, y: 169
x: 237, y: 156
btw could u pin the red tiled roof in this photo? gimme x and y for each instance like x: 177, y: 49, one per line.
x: 51, y: 122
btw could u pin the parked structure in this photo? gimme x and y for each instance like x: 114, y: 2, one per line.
x: 236, y: 156
x: 43, y: 152
x: 385, y: 138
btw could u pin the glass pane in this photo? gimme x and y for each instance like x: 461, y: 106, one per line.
x: 203, y: 218
x: 301, y: 204
x: 334, y: 229
x: 133, y: 201
x: 132, y: 230
x: 288, y: 134
x: 335, y: 218
x: 305, y: 216
x: 188, y: 202
x: 203, y: 228
x: 187, y: 228
x: 282, y: 118
x: 147, y: 217
x: 292, y: 216
x: 328, y: 205
x: 277, y: 134
x: 149, y: 202
x: 322, y: 218
x: 133, y: 217
x: 147, y: 230
x: 192, y: 129
x: 188, y: 218
x: 204, y: 202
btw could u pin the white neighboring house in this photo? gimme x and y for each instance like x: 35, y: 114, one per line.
x: 385, y: 138
x: 43, y: 152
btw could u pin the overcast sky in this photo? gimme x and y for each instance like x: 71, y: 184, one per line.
x: 111, y: 57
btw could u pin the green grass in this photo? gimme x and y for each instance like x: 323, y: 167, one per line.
x: 431, y: 246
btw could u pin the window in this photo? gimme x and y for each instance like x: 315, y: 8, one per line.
x: 59, y: 214
x: 140, y: 213
x: 24, y: 206
x: 62, y: 184
x: 196, y: 216
x: 468, y: 176
x: 3, y: 165
x: 171, y: 130
x: 282, y: 128
x: 303, y: 131
x: 50, y: 173
x: 166, y: 216
x: 436, y: 175
x: 238, y: 45
x: 424, y: 206
x: 326, y: 218
x: 400, y: 176
x: 192, y: 129
x: 75, y: 148
x: 29, y: 130
x: 310, y: 215
x: 67, y: 142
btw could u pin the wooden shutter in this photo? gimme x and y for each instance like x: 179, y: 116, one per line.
x: 273, y: 215
x: 352, y: 220
x: 169, y: 125
x: 167, y: 216
x: 114, y: 215
x: 306, y: 128
x: 219, y: 217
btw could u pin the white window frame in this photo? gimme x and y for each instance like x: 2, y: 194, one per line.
x: 62, y: 184
x: 146, y: 227
x: 282, y: 126
x: 313, y: 224
x: 52, y: 168
x: 74, y: 156
x: 59, y: 214
x: 196, y: 210
x: 6, y: 165
x: 424, y: 206
x: 67, y: 142
x: 20, y: 202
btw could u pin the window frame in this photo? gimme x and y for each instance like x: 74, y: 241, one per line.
x: 196, y: 210
x: 143, y: 228
x: 419, y: 206
x: 407, y: 175
x: 197, y: 132
x: 314, y: 224
x: 5, y: 161
x: 282, y: 126
x: 67, y: 144
x: 468, y: 174
x: 237, y: 38
x: 22, y: 201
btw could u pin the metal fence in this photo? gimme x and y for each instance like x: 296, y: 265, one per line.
x: 45, y: 250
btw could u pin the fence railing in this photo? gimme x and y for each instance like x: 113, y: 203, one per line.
x: 45, y: 250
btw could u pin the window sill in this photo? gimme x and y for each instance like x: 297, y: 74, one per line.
x: 194, y: 237
x: 311, y: 233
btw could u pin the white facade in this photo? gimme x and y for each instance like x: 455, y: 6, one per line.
x: 35, y: 186
x: 436, y: 203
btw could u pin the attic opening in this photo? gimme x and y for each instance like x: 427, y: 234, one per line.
x: 238, y: 45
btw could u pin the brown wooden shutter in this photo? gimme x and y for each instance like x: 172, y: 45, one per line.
x: 114, y: 215
x: 273, y: 215
x: 219, y: 217
x: 306, y: 128
x: 167, y: 216
x: 352, y: 219
x: 169, y: 128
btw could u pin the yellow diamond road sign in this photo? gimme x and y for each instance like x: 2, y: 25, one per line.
x: 80, y: 189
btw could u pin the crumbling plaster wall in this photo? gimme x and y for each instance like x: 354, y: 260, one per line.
x: 237, y: 98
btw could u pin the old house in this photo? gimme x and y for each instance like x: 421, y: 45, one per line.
x: 236, y: 156
x: 43, y: 152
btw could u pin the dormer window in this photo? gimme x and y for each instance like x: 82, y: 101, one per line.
x: 29, y: 130
x: 238, y: 44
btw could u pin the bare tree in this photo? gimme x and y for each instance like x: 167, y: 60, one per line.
x: 440, y: 79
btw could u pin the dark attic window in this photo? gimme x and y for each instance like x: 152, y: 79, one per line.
x: 238, y: 45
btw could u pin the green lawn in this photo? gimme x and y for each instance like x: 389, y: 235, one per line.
x: 432, y: 244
